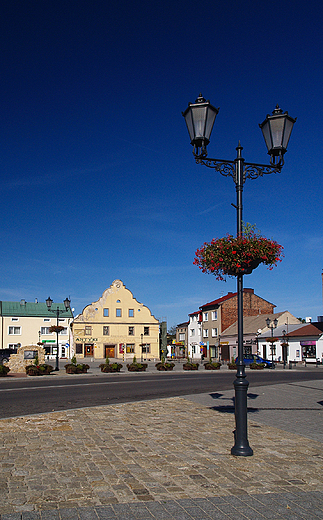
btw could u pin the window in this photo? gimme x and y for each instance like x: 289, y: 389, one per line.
x: 88, y: 330
x: 214, y: 333
x: 214, y: 315
x: 13, y: 345
x: 105, y: 330
x: 14, y: 330
x: 118, y: 313
x: 14, y: 319
x: 44, y: 331
x: 146, y: 331
x: 181, y: 337
x: 205, y: 333
x: 47, y: 319
x: 273, y: 350
x: 130, y: 348
x: 78, y: 348
x: 131, y: 331
x: 106, y: 313
x: 131, y: 313
x: 61, y: 319
x: 205, y: 316
x: 192, y: 331
x: 146, y: 348
x: 64, y: 331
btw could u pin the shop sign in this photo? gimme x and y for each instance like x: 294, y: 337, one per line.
x: 87, y: 340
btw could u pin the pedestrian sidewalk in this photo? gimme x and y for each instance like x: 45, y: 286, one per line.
x: 166, y: 459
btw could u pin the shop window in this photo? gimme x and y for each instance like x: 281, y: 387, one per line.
x: 78, y: 348
x: 130, y: 348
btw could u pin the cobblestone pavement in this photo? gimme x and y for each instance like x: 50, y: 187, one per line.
x: 163, y: 459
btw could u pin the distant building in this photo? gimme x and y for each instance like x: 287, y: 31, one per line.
x: 256, y: 333
x: 25, y: 323
x: 219, y: 314
x: 195, y: 335
x: 116, y: 326
x: 179, y: 345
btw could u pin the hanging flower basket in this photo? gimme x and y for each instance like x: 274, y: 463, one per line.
x: 230, y: 256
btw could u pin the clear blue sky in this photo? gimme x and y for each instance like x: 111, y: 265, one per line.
x: 98, y: 180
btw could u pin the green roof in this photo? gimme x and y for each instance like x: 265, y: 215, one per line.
x: 37, y: 310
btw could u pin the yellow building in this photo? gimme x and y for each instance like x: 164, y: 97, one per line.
x: 116, y: 326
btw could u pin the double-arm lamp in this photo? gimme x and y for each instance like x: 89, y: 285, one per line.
x: 276, y: 129
x: 57, y: 311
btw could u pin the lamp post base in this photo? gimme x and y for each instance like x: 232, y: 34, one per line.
x: 241, y: 446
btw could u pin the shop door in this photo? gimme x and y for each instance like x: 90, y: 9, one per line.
x: 225, y: 353
x: 88, y: 350
x: 109, y: 351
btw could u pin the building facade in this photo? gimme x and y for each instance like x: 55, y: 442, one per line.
x: 116, y: 326
x: 219, y: 314
x: 195, y: 349
x: 256, y: 332
x: 24, y: 323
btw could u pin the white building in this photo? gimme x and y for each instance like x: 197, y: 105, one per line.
x: 195, y: 341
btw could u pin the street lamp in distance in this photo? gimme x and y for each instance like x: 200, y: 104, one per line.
x: 57, y: 329
x: 272, y: 340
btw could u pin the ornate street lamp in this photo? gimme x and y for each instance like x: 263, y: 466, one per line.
x: 272, y: 340
x: 57, y: 328
x: 200, y: 117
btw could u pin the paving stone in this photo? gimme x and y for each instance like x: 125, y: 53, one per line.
x: 88, y: 470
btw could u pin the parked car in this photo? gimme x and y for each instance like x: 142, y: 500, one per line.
x: 5, y: 354
x: 253, y: 358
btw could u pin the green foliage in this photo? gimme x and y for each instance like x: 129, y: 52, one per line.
x: 73, y: 360
x: 4, y: 369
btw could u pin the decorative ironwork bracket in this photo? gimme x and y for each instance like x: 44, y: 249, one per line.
x: 229, y: 169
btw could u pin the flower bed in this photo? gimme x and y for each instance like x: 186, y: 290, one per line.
x: 110, y: 367
x: 4, y: 369
x: 190, y: 366
x: 212, y: 366
x: 229, y: 256
x: 39, y: 370
x: 163, y: 367
x: 257, y: 366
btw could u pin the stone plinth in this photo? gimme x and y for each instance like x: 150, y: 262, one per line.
x: 18, y: 362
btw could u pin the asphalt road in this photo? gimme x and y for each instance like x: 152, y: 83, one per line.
x: 28, y: 396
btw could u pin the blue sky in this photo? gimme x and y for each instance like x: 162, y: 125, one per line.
x: 98, y: 181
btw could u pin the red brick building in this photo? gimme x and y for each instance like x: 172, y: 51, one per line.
x: 219, y: 314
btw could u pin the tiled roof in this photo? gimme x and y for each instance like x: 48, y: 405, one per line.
x: 307, y: 330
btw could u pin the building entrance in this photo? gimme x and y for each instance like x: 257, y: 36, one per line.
x: 88, y: 350
x: 109, y: 351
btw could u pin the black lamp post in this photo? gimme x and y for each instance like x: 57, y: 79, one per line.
x: 272, y: 326
x: 284, y: 346
x: 200, y: 117
x: 57, y: 311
